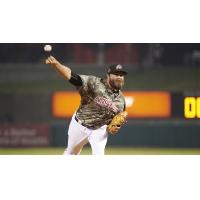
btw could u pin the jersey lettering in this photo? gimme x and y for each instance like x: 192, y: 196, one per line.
x: 105, y: 103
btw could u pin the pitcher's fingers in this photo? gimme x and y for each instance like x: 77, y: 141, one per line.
x: 52, y: 58
x: 47, y: 61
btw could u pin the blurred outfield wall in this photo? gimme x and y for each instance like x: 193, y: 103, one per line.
x: 40, y: 77
x: 27, y: 112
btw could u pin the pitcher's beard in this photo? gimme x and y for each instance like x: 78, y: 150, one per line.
x: 117, y: 85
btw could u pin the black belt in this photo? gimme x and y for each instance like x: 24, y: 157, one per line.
x: 81, y: 123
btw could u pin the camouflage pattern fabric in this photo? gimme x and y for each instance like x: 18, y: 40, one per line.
x: 99, y: 104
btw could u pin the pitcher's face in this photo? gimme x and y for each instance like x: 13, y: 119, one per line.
x: 116, y: 80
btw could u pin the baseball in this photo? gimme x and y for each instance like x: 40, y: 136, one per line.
x: 47, y: 48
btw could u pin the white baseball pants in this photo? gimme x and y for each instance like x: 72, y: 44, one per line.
x: 79, y: 135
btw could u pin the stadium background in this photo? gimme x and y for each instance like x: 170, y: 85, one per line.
x: 27, y: 85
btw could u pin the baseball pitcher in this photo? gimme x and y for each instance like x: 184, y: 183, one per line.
x: 101, y: 111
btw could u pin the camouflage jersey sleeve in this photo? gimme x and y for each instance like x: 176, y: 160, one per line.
x: 98, y: 103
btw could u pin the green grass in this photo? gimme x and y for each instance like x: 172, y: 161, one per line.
x: 109, y: 151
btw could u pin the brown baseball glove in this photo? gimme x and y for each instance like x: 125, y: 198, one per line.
x: 117, y: 122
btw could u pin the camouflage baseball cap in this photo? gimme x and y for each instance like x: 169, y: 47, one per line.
x: 112, y: 69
